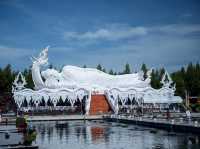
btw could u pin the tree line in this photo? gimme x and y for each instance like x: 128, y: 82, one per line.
x: 186, y: 79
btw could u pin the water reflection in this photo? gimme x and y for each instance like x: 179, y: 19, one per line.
x: 106, y: 135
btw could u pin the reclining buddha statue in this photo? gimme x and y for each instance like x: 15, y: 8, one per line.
x: 75, y: 77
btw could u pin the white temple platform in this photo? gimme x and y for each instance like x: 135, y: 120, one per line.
x: 74, y: 84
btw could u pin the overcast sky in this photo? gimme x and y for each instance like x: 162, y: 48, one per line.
x: 160, y: 33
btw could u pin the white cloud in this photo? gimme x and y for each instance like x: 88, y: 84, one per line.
x: 9, y: 52
x: 115, y: 33
x: 14, y: 56
x: 165, y: 45
x: 177, y: 29
x: 108, y: 33
x: 187, y: 15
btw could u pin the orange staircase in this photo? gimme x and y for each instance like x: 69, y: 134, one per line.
x: 99, y: 105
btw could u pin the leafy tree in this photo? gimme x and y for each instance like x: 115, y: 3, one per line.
x: 29, y: 79
x: 127, y: 69
x: 161, y: 73
x: 180, y: 84
x: 104, y: 70
x: 99, y: 67
x: 144, y: 69
x: 191, y: 78
x: 8, y: 78
x: 155, y: 79
x: 111, y: 72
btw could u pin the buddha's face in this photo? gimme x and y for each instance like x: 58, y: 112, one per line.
x: 50, y: 73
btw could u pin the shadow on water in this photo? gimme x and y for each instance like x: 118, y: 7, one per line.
x: 100, y: 134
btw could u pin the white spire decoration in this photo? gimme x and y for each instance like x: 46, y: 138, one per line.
x: 148, y: 79
x: 42, y: 58
x: 19, y: 82
x: 166, y: 80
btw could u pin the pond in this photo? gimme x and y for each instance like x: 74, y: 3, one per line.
x: 109, y: 135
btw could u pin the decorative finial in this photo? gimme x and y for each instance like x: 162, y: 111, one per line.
x: 19, y: 82
x: 42, y: 59
x: 166, y: 80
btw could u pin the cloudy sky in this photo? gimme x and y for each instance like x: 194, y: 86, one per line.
x: 160, y: 33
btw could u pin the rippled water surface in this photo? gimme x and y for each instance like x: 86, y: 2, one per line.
x: 107, y: 135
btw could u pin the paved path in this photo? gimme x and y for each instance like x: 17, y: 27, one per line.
x: 170, y: 125
x: 64, y: 117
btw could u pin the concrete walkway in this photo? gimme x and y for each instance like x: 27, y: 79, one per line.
x: 64, y: 117
x: 170, y: 125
